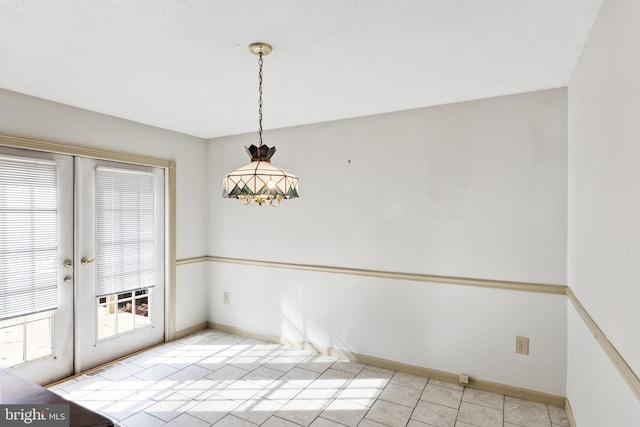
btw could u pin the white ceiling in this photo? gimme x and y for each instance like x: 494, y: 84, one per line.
x: 184, y: 64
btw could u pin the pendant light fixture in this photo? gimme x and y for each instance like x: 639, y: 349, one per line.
x: 260, y: 181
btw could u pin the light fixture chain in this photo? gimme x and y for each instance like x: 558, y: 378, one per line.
x: 260, y: 97
x: 258, y: 185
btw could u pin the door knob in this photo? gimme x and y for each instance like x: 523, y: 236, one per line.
x: 86, y: 260
x: 67, y: 263
x: 67, y: 278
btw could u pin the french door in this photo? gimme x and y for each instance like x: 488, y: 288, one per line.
x: 119, y: 260
x: 36, y: 267
x: 81, y: 262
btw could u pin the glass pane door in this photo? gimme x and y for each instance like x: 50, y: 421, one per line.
x: 36, y: 277
x: 120, y: 245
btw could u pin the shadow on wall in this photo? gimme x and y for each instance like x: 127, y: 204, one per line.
x: 297, y: 327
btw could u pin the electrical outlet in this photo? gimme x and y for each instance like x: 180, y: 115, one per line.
x: 225, y: 297
x: 522, y: 345
x: 463, y: 378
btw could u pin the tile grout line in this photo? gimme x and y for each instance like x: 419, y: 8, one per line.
x: 416, y: 405
x: 399, y: 390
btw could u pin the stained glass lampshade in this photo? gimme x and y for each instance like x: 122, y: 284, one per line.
x: 260, y: 181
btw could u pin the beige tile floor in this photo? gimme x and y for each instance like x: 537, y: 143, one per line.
x: 212, y: 378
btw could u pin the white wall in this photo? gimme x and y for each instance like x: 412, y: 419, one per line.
x: 475, y: 189
x: 604, y: 210
x: 598, y: 394
x: 30, y: 117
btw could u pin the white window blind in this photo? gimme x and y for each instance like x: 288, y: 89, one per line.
x: 125, y: 231
x: 28, y: 236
